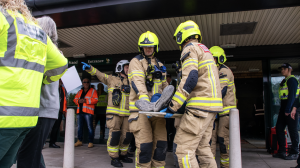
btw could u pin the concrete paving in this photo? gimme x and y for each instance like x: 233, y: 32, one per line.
x: 97, y: 157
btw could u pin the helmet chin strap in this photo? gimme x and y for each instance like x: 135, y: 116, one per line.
x: 123, y: 73
x: 148, y: 55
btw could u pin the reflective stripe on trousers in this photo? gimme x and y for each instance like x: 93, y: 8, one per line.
x: 185, y: 162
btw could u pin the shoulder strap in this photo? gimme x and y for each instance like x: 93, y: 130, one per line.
x: 139, y: 57
x: 222, y: 66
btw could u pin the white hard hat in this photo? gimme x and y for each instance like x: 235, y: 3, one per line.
x: 120, y: 65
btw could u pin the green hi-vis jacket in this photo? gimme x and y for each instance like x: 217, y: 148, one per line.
x: 28, y: 58
x: 283, y: 90
x: 102, y: 100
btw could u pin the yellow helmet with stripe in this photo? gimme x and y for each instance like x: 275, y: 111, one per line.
x: 148, y: 39
x: 185, y: 31
x: 219, y: 53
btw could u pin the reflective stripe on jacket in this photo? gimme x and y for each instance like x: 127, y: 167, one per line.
x: 137, y: 78
x: 227, y: 80
x: 91, y: 98
x: 200, y: 85
x: 102, y: 100
x: 26, y: 55
x: 283, y: 90
x: 113, y: 82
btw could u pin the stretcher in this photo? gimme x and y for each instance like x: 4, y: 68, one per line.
x: 159, y: 114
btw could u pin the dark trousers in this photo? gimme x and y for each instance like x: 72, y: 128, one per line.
x: 102, y: 119
x: 171, y: 131
x: 88, y: 118
x: 292, y: 125
x: 10, y: 139
x: 55, y: 129
x: 132, y: 144
x: 30, y: 152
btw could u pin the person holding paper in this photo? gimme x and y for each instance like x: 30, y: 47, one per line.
x: 28, y: 59
x: 117, y: 111
x: 85, y: 99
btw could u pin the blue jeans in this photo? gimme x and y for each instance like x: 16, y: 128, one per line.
x: 89, y: 121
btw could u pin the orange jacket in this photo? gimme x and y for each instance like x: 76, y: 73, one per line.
x: 91, y: 99
x: 65, y: 100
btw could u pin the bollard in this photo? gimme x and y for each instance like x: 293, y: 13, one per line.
x: 235, y: 155
x: 69, y: 140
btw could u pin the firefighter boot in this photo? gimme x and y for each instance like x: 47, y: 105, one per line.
x: 78, y: 143
x: 116, y: 162
x: 165, y: 98
x: 125, y: 159
x: 90, y: 145
x: 144, y: 105
x: 161, y: 103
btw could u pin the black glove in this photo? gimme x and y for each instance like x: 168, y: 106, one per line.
x: 116, y: 97
x: 169, y: 110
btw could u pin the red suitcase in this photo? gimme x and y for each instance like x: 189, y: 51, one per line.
x: 274, y: 143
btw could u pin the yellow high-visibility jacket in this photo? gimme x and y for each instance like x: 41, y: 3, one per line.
x: 113, y: 82
x: 200, y: 85
x: 28, y: 58
x: 227, y: 80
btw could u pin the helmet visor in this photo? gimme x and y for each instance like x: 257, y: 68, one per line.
x: 147, y: 46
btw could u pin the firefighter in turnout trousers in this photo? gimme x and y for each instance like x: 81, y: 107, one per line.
x: 146, y: 80
x: 117, y: 112
x: 200, y: 88
x: 221, y: 129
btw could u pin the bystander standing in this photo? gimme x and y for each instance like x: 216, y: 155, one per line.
x: 288, y: 94
x: 85, y: 99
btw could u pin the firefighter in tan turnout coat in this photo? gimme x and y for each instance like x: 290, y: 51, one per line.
x: 150, y: 134
x: 200, y: 88
x: 117, y: 112
x: 221, y: 130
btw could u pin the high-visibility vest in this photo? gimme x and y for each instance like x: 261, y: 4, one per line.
x: 91, y: 98
x: 283, y: 90
x: 26, y: 55
x: 102, y: 100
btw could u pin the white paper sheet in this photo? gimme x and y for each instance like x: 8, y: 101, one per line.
x: 71, y: 79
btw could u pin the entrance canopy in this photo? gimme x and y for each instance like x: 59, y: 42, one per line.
x: 267, y: 27
x: 112, y: 27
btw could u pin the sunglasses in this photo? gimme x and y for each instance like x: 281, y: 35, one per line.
x: 85, y: 82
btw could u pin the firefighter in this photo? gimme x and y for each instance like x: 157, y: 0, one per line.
x: 221, y: 129
x: 200, y: 88
x: 117, y: 111
x: 147, y: 77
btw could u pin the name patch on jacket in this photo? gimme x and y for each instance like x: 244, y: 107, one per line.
x: 222, y: 75
x: 204, y: 48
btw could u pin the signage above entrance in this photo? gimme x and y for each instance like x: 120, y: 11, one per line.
x: 92, y: 61
x: 100, y: 61
x: 73, y: 62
